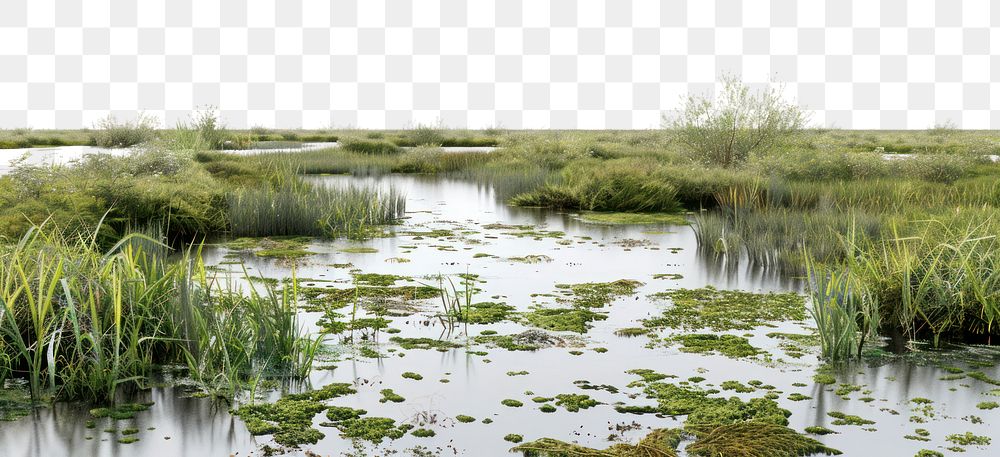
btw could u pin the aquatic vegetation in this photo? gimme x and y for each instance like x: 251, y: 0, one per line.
x: 848, y: 419
x: 297, y: 208
x: 151, y: 310
x: 706, y: 343
x: 388, y: 395
x: 277, y: 247
x: 423, y: 433
x: 575, y: 402
x: 121, y: 411
x: 598, y: 294
x: 512, y: 403
x: 465, y: 419
x: 633, y: 218
x: 563, y: 319
x: 658, y: 443
x: 517, y: 373
x: 342, y: 413
x: 486, y: 313
x: 547, y: 408
x: 632, y: 331
x: 373, y: 429
x: 736, y: 386
x: 424, y: 343
x: 754, y: 439
x: 968, y: 439
x: 412, y: 375
x: 928, y: 453
x: 818, y: 430
x: 722, y: 310
x: 513, y: 438
x: 988, y: 405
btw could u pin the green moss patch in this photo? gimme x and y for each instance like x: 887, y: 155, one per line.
x: 598, y: 294
x: 412, y: 375
x: 722, y: 310
x: 290, y: 418
x: 731, y: 346
x: 575, y: 402
x: 848, y: 419
x: 563, y: 319
x: 658, y: 443
x: 120, y: 412
x: 753, y: 439
x: 424, y: 343
x: 633, y: 218
x: 388, y: 395
x: 486, y: 313
x: 373, y: 429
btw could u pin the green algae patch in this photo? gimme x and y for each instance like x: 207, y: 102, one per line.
x: 412, y: 375
x: 358, y: 250
x: 389, y: 396
x: 423, y: 433
x: 15, y: 403
x: 818, y: 430
x: 736, y: 386
x: 290, y: 418
x: 465, y: 419
x: 575, y: 402
x: 513, y: 438
x: 629, y: 332
x: 378, y: 279
x: 928, y: 453
x: 633, y: 218
x: 120, y: 412
x: 563, y: 319
x: 988, y: 405
x: 658, y: 443
x: 323, y: 298
x: 342, y: 413
x: 754, y: 439
x: 373, y: 429
x: 723, y: 310
x: 598, y: 294
x: 517, y: 373
x: 511, y: 403
x: 486, y: 313
x: 968, y: 439
x: 424, y: 343
x: 128, y: 439
x: 731, y: 346
x: 274, y: 247
x: 848, y: 419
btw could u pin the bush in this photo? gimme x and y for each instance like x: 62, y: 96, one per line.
x: 813, y: 165
x: 114, y: 134
x: 739, y: 123
x: 942, y: 168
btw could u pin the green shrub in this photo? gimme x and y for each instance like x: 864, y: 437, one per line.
x: 726, y: 131
x: 114, y: 134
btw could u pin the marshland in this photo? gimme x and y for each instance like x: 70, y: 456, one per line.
x: 723, y: 286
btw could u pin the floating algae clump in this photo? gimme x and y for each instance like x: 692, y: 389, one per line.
x: 634, y: 218
x: 374, y: 429
x: 659, y: 443
x: 424, y: 343
x: 575, y: 402
x: 290, y: 418
x: 342, y: 413
x: 731, y: 346
x: 465, y: 419
x: 721, y: 310
x: 598, y: 294
x: 485, y: 313
x: 513, y: 438
x: 563, y: 319
x: 511, y: 403
x: 412, y: 375
x: 120, y: 412
x: 423, y: 433
x: 388, y: 395
x: 968, y: 439
x: 848, y: 419
x: 754, y: 439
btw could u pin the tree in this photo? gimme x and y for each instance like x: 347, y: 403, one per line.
x: 738, y: 123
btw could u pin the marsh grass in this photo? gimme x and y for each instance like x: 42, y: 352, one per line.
x: 81, y: 323
x: 298, y: 208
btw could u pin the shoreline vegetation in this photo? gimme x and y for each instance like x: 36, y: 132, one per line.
x: 102, y: 282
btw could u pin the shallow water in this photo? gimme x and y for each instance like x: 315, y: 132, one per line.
x: 60, y: 155
x: 585, y: 253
